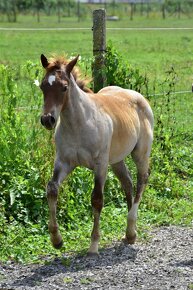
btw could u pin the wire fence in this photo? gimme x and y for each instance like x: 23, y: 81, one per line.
x: 23, y: 108
x: 108, y: 28
x: 172, y: 93
x: 90, y: 28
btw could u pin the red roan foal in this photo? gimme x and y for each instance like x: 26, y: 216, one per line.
x: 94, y: 130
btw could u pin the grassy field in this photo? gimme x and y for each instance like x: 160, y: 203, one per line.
x: 152, y: 51
x: 166, y: 58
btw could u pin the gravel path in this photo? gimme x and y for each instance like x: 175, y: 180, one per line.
x: 165, y: 262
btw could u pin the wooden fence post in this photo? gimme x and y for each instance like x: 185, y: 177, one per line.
x: 132, y: 10
x: 99, y: 48
x: 163, y: 11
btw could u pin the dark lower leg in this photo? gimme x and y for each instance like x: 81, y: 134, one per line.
x: 132, y: 215
x: 60, y: 172
x: 124, y: 176
x: 55, y: 236
x: 97, y: 204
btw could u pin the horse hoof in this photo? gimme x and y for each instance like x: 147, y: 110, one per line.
x: 58, y: 246
x: 92, y: 255
x: 129, y: 240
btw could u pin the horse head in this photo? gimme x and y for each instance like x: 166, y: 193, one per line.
x: 55, y: 86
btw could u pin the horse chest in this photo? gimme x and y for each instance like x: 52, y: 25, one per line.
x: 79, y: 157
x: 77, y: 151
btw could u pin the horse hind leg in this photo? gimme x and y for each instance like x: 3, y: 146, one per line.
x: 124, y: 176
x: 141, y: 159
x: 97, y: 205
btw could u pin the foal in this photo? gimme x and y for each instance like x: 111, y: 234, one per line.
x: 94, y: 130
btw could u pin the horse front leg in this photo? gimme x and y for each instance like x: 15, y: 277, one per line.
x: 60, y: 172
x: 97, y: 205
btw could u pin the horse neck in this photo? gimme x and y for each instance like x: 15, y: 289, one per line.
x: 78, y: 105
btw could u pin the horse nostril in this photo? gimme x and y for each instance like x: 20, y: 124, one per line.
x: 52, y: 121
x: 48, y: 121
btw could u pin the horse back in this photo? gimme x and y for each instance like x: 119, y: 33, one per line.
x: 124, y: 106
x: 131, y: 116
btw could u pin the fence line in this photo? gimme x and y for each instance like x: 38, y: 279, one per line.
x: 43, y: 29
x: 151, y: 95
x: 171, y: 93
x: 88, y: 28
x: 150, y: 28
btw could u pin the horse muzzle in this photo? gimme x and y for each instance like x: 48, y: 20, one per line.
x: 48, y: 121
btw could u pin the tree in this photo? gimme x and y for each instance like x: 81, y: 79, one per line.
x: 38, y: 5
x: 9, y: 7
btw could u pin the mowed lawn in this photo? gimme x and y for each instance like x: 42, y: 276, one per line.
x: 152, y: 51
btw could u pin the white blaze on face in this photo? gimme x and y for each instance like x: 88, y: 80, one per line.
x: 51, y: 79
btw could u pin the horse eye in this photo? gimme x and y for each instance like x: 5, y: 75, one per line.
x: 64, y: 88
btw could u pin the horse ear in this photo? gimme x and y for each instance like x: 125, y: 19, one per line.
x: 44, y: 61
x: 70, y: 65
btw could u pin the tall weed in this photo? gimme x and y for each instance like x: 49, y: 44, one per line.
x: 120, y: 73
x: 21, y: 188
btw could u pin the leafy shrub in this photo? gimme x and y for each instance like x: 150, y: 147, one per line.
x: 21, y: 183
x: 120, y: 73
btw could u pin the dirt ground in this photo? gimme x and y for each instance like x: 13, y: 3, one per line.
x: 164, y: 262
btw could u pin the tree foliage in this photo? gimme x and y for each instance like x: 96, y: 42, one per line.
x: 13, y: 7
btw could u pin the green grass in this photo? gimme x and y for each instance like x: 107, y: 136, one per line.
x: 152, y: 51
x: 27, y: 150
